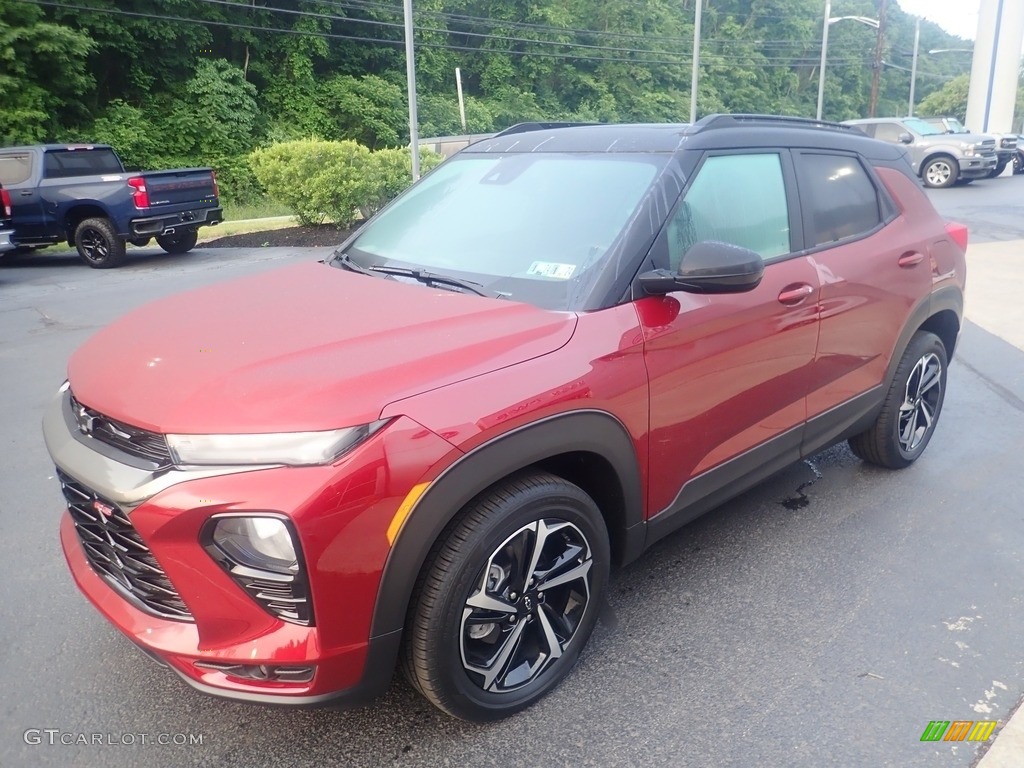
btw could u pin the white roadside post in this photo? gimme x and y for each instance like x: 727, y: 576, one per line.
x: 410, y: 75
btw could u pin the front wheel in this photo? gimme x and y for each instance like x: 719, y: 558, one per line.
x: 911, y: 409
x: 507, y: 598
x: 1018, y: 164
x: 1000, y: 167
x: 98, y: 244
x: 179, y: 242
x: 940, y: 172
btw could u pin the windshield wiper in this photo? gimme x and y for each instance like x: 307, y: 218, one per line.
x: 346, y: 261
x: 432, y: 278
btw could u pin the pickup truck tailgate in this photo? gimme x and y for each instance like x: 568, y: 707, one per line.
x: 186, y: 186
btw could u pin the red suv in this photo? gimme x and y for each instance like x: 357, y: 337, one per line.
x: 561, y: 345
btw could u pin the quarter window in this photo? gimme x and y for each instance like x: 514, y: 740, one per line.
x: 737, y: 199
x: 15, y: 168
x: 839, y: 197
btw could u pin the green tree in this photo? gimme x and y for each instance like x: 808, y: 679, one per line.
x: 949, y: 101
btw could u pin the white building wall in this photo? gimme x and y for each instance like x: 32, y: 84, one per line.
x: 997, y: 54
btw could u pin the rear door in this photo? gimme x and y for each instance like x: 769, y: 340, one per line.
x: 19, y: 176
x: 872, y: 264
x: 729, y: 374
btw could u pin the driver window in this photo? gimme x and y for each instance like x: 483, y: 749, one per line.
x: 738, y: 199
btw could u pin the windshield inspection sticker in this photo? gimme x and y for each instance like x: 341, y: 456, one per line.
x: 551, y: 269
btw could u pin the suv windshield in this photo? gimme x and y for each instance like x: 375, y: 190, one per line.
x: 528, y: 227
x: 921, y: 128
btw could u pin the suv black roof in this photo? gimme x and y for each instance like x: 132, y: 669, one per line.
x: 711, y: 132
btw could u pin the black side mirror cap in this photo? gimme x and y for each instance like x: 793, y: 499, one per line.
x: 708, y: 267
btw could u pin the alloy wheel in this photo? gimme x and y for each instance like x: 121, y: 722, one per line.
x: 939, y: 173
x: 528, y: 602
x: 94, y: 245
x: 921, y: 400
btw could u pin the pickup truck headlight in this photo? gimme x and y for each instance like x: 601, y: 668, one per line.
x: 297, y: 449
x: 968, y: 149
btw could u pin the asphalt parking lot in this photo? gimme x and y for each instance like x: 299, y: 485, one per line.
x: 823, y: 618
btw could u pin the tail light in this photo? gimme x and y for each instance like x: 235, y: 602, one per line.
x: 5, y: 202
x: 141, y: 194
x: 959, y: 234
x: 216, y: 189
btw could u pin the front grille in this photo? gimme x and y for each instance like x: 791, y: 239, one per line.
x: 117, y: 553
x: 134, y: 441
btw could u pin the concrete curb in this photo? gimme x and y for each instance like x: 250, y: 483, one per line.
x: 1007, y: 751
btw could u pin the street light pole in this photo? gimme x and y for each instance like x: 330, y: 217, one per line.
x: 695, y: 73
x: 913, y: 67
x: 824, y: 50
x: 410, y: 76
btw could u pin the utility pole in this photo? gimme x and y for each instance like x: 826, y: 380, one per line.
x: 913, y: 67
x: 695, y: 73
x: 877, y: 71
x: 410, y: 76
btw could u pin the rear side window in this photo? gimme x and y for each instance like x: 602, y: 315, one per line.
x: 839, y: 197
x: 62, y: 163
x: 15, y: 168
x: 737, y: 199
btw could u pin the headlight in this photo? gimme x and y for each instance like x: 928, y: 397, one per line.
x: 968, y: 149
x: 259, y: 542
x: 292, y: 448
x: 263, y: 556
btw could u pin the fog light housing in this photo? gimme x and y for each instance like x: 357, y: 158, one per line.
x: 274, y: 673
x: 261, y: 553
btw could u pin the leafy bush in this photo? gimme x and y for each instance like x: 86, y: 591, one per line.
x: 316, y: 179
x: 388, y: 174
x: 336, y: 180
x: 236, y: 180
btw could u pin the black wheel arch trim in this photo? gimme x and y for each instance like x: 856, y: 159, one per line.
x: 948, y: 298
x: 590, y: 431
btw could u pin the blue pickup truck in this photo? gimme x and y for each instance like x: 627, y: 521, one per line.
x: 81, y: 194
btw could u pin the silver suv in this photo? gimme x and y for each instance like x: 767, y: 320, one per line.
x: 1006, y: 143
x: 941, y: 159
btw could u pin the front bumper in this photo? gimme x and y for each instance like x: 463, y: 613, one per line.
x: 977, y: 167
x: 167, y: 224
x: 5, y: 240
x: 340, y: 513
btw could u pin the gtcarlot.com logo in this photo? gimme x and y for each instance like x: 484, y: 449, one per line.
x: 56, y: 737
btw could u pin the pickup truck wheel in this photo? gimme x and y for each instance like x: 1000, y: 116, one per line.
x: 179, y: 242
x: 940, y: 172
x: 507, y: 598
x: 98, y: 244
x: 1000, y: 167
x: 911, y: 409
x: 1018, y: 164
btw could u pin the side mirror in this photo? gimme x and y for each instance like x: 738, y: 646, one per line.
x: 906, y: 138
x: 708, y: 267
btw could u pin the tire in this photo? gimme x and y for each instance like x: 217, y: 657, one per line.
x: 180, y: 242
x: 1000, y: 167
x: 140, y: 242
x: 911, y: 409
x: 491, y: 629
x: 940, y: 172
x: 1018, y: 164
x: 98, y: 244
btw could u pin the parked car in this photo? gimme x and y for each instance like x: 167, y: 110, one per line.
x: 557, y: 348
x: 82, y: 194
x: 1006, y: 143
x: 5, y: 222
x: 941, y: 160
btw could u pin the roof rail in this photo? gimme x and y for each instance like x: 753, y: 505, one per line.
x: 538, y: 126
x: 713, y: 122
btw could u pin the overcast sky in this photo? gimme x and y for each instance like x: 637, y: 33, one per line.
x: 958, y: 17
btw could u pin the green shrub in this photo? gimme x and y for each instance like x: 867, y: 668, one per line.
x: 389, y: 173
x: 236, y: 180
x: 336, y: 180
x: 317, y: 179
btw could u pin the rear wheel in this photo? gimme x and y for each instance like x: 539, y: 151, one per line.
x: 912, y: 406
x: 179, y: 242
x: 507, y: 598
x: 98, y: 244
x: 941, y: 171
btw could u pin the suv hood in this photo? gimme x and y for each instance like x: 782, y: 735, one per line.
x: 308, y: 347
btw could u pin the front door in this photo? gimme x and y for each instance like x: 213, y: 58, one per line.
x: 729, y: 374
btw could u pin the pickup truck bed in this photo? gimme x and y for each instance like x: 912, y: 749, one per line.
x: 82, y: 195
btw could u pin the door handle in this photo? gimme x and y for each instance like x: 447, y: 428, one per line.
x: 910, y: 259
x: 27, y: 192
x: 794, y: 294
